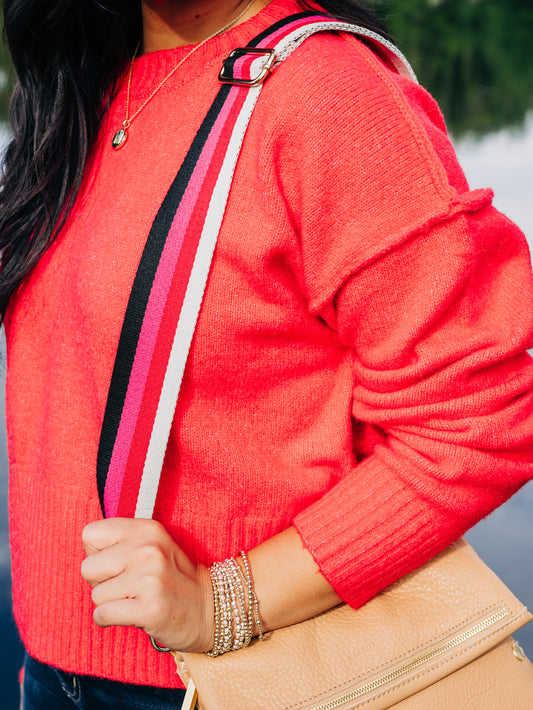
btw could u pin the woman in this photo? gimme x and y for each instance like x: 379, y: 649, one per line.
x: 358, y: 393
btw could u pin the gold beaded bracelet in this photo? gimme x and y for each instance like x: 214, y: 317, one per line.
x: 236, y: 605
x: 253, y: 601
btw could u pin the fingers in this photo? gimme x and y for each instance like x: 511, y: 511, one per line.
x: 130, y: 585
x: 118, y: 612
x: 132, y: 554
x: 113, y: 590
x: 101, y: 534
x: 107, y: 564
x: 143, y: 603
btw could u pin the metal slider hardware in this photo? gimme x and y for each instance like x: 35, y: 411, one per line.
x: 226, y: 77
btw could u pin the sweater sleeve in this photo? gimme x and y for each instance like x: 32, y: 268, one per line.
x: 430, y: 289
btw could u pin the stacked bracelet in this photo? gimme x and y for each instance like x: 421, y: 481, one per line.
x: 236, y: 605
x: 253, y: 601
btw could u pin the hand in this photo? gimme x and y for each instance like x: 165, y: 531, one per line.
x: 140, y: 577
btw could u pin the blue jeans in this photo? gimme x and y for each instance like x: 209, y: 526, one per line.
x: 48, y: 688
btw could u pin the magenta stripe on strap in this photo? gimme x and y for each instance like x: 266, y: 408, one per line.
x: 154, y: 312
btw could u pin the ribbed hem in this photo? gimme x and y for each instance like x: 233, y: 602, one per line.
x: 52, y: 603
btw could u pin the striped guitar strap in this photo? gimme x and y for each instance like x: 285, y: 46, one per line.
x: 168, y: 288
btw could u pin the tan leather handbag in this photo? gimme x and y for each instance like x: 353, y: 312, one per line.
x: 438, y: 639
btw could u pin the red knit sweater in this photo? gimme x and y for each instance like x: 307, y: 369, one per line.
x: 359, y: 366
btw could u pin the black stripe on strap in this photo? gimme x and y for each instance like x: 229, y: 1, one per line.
x: 140, y: 294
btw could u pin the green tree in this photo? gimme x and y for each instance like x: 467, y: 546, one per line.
x: 472, y: 55
x: 7, y: 81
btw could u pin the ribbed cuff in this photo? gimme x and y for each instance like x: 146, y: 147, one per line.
x: 358, y: 550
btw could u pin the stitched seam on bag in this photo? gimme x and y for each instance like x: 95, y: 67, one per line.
x: 459, y: 653
x: 413, y: 651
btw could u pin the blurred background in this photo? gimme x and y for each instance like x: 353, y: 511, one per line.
x: 475, y: 57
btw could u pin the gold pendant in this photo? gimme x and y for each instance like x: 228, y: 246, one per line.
x: 119, y: 139
x: 121, y: 136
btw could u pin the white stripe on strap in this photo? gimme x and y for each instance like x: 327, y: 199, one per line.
x: 189, y: 314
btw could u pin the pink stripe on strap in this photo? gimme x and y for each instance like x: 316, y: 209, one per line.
x: 154, y: 313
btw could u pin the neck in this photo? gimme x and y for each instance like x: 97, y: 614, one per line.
x: 178, y: 23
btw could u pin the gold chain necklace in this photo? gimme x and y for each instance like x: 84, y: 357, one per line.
x: 121, y: 136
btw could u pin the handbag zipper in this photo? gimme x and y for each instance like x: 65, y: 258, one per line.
x: 415, y: 663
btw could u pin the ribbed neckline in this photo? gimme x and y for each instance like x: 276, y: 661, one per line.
x: 149, y: 69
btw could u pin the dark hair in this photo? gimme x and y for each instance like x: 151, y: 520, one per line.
x: 68, y: 56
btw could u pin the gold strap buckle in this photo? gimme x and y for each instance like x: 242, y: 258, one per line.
x: 226, y: 73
